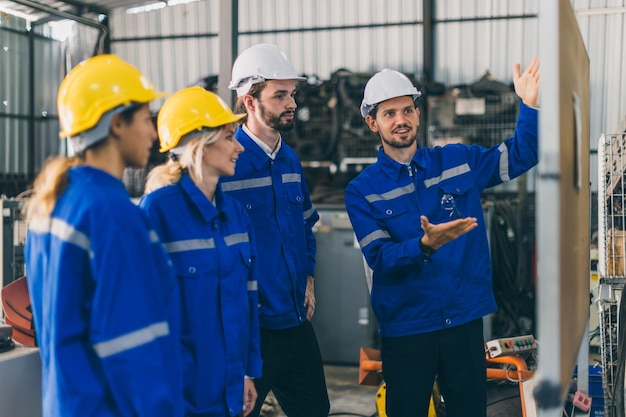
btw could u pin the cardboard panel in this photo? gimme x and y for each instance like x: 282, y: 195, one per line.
x: 563, y: 203
x: 574, y: 189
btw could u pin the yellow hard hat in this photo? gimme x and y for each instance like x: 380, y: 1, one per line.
x: 97, y: 86
x: 188, y: 110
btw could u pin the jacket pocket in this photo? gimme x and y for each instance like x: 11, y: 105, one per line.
x: 453, y: 198
x: 394, y: 219
x: 294, y: 194
x: 198, y: 281
x: 245, y: 256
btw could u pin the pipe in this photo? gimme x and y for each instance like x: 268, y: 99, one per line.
x: 516, y: 361
x: 505, y: 374
x: 62, y: 14
x: 522, y: 373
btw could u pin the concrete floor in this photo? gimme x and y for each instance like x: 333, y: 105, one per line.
x: 348, y: 398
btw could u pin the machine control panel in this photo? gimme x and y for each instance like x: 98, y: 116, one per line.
x: 511, y: 345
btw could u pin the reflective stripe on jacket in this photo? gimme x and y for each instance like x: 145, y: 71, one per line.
x: 276, y: 196
x: 413, y: 293
x: 214, y: 257
x: 105, y: 305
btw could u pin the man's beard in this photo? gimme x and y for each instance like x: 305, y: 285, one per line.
x: 275, y: 121
x: 399, y: 144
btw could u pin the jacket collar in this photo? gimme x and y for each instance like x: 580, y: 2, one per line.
x: 253, y: 152
x: 395, y: 169
x: 207, y: 210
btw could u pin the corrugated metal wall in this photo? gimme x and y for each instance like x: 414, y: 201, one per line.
x: 471, y: 37
x: 13, y: 109
x: 320, y: 36
x: 18, y: 155
x: 476, y: 36
x: 177, y: 46
x: 604, y: 33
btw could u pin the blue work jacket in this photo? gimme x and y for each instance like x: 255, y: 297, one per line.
x: 214, y: 257
x: 105, y: 305
x: 275, y: 194
x: 413, y: 293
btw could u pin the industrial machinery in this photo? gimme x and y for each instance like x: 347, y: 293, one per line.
x: 14, y: 299
x: 343, y: 318
x: 18, y: 313
x: 511, y: 346
x: 20, y: 367
x: 12, y: 241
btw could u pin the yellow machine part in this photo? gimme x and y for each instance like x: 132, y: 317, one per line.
x: 380, y: 402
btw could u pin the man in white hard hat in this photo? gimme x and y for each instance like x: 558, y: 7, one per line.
x: 270, y: 183
x: 417, y: 215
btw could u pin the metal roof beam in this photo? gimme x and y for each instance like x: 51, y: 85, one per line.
x: 65, y: 15
x: 86, y: 7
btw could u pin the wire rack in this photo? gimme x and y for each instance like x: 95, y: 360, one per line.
x: 612, y: 254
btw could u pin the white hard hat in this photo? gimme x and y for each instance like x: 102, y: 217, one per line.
x: 384, y: 85
x: 259, y: 63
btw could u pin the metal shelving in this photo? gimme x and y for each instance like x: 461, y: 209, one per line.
x: 612, y: 255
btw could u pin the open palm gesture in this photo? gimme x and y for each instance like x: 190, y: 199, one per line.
x: 527, y: 83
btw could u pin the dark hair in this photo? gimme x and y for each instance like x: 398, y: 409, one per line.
x: 240, y: 107
x: 373, y: 112
x: 53, y: 178
x: 126, y: 116
x: 129, y: 114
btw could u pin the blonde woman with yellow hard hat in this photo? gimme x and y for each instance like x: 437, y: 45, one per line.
x: 209, y: 238
x: 104, y: 297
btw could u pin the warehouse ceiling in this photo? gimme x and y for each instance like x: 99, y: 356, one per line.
x: 40, y: 11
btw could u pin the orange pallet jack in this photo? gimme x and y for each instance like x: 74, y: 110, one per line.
x: 370, y: 367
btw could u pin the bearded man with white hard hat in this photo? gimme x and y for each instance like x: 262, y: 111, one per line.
x: 417, y: 215
x: 270, y: 183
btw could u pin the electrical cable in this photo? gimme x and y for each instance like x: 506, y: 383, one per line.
x: 514, y: 380
x: 618, y: 384
x: 512, y: 285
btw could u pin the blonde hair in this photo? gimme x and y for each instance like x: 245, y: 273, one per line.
x: 190, y: 160
x: 49, y: 184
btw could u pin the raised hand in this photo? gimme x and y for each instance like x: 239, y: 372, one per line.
x: 527, y: 83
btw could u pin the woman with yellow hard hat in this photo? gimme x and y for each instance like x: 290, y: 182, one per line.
x: 104, y: 298
x: 208, y: 236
